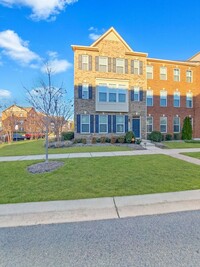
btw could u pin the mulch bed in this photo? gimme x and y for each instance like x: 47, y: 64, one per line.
x: 45, y: 167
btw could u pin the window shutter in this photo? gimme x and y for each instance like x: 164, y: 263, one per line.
x: 126, y: 123
x: 90, y: 62
x: 90, y: 91
x: 80, y: 91
x: 109, y: 123
x: 78, y: 121
x: 141, y: 67
x: 96, y: 123
x: 132, y: 66
x: 126, y: 66
x: 91, y: 123
x: 97, y: 63
x: 109, y: 64
x: 132, y: 94
x: 141, y: 94
x: 114, y: 123
x: 114, y: 64
x: 80, y: 62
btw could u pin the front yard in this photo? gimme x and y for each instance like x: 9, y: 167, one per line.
x: 97, y: 177
x: 36, y: 147
x: 180, y: 144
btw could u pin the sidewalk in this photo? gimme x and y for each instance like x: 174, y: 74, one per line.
x: 12, y: 215
x: 150, y: 150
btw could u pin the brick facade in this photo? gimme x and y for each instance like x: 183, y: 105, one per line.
x: 113, y: 47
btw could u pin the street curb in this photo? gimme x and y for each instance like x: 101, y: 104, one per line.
x: 12, y: 215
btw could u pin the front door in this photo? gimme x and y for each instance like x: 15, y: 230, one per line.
x: 136, y: 127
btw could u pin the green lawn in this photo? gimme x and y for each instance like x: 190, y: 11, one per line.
x: 181, y: 145
x: 37, y: 147
x: 192, y: 154
x: 97, y: 177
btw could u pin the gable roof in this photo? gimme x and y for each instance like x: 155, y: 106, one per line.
x: 196, y: 57
x: 108, y: 32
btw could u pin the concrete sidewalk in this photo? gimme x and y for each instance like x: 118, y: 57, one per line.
x: 150, y: 150
x: 12, y: 215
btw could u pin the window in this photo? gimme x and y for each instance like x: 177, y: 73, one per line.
x: 120, y: 65
x: 122, y: 96
x: 136, y: 67
x: 136, y: 93
x: 149, y: 124
x: 176, y: 99
x: 112, y: 96
x: 120, y: 121
x: 103, y: 123
x: 177, y: 75
x: 85, y: 123
x: 189, y: 76
x: 102, y: 89
x: 85, y: 91
x: 163, y: 73
x: 85, y: 61
x: 163, y: 124
x: 189, y: 100
x: 176, y: 125
x: 103, y: 64
x: 163, y: 98
x: 149, y: 72
x: 149, y: 98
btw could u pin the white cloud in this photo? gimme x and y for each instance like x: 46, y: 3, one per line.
x: 57, y: 65
x: 5, y: 93
x: 94, y: 36
x: 15, y: 48
x: 41, y: 9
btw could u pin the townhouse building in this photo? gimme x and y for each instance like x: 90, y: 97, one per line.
x: 117, y: 89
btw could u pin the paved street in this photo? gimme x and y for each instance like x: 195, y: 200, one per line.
x: 160, y: 240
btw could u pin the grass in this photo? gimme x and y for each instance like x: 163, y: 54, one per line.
x: 181, y: 145
x: 36, y: 147
x: 97, y: 177
x: 192, y: 154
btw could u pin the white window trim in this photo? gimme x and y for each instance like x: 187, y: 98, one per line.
x: 117, y: 65
x: 86, y: 56
x: 150, y: 124
x: 177, y: 124
x: 85, y: 123
x: 179, y: 76
x: 101, y: 57
x: 163, y: 98
x: 163, y: 74
x: 149, y: 72
x: 179, y: 100
x: 189, y: 76
x: 151, y: 98
x: 163, y: 124
x: 187, y: 100
x: 120, y: 123
x: 104, y: 124
x: 87, y: 85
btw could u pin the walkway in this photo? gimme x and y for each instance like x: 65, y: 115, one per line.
x: 150, y: 150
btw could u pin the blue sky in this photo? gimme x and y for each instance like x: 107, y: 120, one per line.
x: 32, y: 31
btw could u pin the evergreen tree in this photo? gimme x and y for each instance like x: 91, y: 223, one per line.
x: 187, y: 129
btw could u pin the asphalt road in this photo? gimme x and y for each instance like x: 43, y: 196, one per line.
x: 163, y: 240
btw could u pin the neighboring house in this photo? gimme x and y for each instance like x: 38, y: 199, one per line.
x: 21, y: 119
x: 117, y: 89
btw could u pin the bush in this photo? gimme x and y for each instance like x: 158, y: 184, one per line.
x: 168, y: 137
x: 84, y: 141
x: 193, y: 141
x: 77, y: 141
x: 67, y: 135
x: 108, y: 140
x: 177, y: 136
x: 121, y: 139
x: 102, y: 139
x: 187, y: 129
x: 94, y: 140
x: 113, y: 140
x: 138, y: 141
x: 129, y: 136
x: 156, y: 136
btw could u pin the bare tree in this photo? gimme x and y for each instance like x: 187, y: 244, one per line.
x: 49, y: 100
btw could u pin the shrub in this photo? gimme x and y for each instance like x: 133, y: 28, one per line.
x: 129, y: 136
x: 121, y: 139
x: 67, y: 135
x: 138, y: 141
x: 94, y: 140
x: 98, y: 140
x: 108, y: 140
x: 168, y: 137
x: 193, y: 141
x: 156, y: 136
x: 187, y: 129
x: 102, y: 139
x: 84, y: 141
x: 113, y: 139
x: 77, y: 141
x: 177, y: 136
